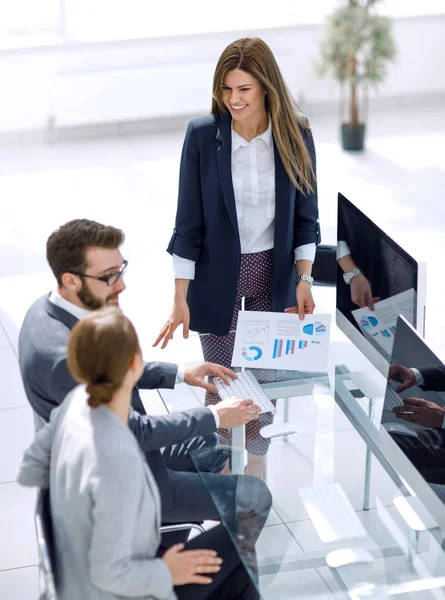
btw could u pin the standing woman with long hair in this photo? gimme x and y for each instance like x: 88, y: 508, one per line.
x: 247, y: 215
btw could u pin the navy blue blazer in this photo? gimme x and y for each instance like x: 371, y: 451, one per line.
x: 206, y: 228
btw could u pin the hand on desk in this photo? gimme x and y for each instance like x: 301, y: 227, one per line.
x: 420, y: 412
x: 361, y: 293
x: 305, y: 302
x: 180, y: 315
x: 189, y: 566
x: 403, y: 375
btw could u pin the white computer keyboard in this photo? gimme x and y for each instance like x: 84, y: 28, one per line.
x: 392, y: 398
x: 246, y: 386
x: 331, y: 513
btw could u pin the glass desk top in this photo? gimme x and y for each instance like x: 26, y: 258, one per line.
x: 339, y: 441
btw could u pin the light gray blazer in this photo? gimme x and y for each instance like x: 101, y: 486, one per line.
x: 43, y: 345
x: 105, y: 504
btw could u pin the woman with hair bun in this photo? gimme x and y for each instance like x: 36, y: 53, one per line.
x: 105, y: 504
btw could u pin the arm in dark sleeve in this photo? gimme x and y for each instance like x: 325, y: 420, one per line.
x: 53, y: 389
x: 434, y: 378
x: 158, y: 375
x: 307, y: 229
x: 155, y: 432
x: 188, y: 233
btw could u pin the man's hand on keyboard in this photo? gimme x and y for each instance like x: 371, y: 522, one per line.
x: 196, y: 375
x: 421, y: 412
x: 403, y: 375
x: 234, y: 412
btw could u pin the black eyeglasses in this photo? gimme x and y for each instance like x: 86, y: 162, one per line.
x: 108, y: 279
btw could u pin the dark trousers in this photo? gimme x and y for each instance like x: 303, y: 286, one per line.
x: 242, y: 503
x: 426, y: 452
x: 231, y: 583
x: 206, y: 457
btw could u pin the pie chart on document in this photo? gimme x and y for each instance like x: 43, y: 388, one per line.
x: 316, y: 328
x: 368, y: 322
x: 251, y: 353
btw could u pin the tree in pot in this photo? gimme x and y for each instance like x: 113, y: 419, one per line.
x: 356, y: 49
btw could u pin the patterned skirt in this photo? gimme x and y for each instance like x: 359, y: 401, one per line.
x: 255, y: 285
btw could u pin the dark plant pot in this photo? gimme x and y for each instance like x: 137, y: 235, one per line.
x: 352, y: 138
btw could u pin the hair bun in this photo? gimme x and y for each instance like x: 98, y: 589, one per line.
x: 100, y: 393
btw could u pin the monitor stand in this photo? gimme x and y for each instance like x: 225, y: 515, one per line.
x: 373, y: 385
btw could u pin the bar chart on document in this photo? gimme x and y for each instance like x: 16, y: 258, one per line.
x: 281, y: 341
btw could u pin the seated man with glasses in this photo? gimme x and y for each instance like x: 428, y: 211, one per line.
x: 86, y: 261
x: 110, y: 280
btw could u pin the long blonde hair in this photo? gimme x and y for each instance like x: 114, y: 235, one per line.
x: 254, y: 56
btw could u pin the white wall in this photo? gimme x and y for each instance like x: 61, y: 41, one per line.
x: 99, y: 83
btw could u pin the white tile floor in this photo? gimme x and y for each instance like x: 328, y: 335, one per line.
x: 131, y: 182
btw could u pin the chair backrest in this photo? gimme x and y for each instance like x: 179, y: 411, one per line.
x: 45, y: 541
x: 324, y: 270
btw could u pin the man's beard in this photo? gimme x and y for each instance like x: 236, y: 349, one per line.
x: 89, y: 300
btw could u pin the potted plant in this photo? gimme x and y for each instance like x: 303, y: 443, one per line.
x: 356, y: 49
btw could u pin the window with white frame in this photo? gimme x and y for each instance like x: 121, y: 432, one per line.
x: 412, y: 8
x: 110, y: 20
x: 29, y: 17
x: 132, y: 19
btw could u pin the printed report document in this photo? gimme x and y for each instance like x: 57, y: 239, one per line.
x: 272, y: 340
x: 379, y: 325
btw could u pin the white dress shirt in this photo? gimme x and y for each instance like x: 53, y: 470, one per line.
x: 419, y: 377
x: 253, y: 178
x: 342, y: 249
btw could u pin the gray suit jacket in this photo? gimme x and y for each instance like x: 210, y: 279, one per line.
x: 105, y: 505
x: 43, y: 344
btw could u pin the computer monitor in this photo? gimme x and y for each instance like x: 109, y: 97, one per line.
x: 390, y: 275
x: 415, y: 416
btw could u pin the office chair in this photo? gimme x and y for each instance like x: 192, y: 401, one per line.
x: 45, y: 542
x: 177, y: 533
x: 324, y: 270
x: 181, y: 527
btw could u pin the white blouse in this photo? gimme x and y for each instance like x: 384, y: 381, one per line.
x: 253, y: 177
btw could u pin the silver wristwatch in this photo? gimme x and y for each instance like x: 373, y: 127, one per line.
x: 349, y: 276
x: 307, y: 278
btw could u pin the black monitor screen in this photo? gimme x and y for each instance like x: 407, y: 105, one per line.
x: 414, y: 406
x: 386, y: 283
